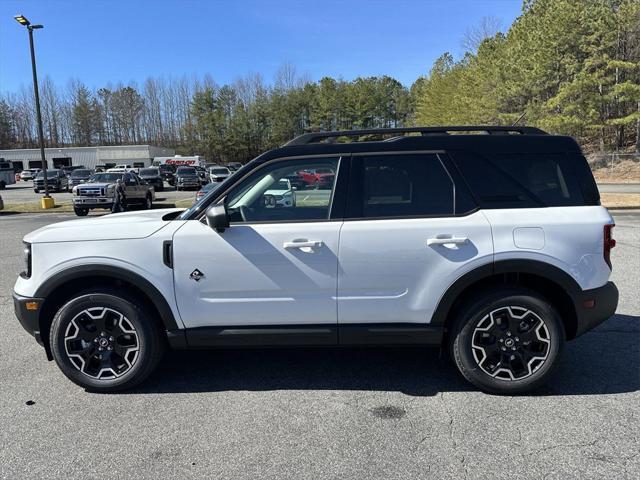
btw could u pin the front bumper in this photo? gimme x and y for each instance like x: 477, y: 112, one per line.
x: 29, y: 318
x: 595, y: 306
x: 91, y: 202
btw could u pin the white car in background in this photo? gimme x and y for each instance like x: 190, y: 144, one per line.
x: 218, y: 174
x: 281, y: 195
x: 29, y: 174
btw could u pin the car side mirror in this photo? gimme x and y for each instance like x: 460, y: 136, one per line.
x: 217, y: 217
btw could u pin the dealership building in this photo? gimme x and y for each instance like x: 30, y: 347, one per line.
x: 89, y: 157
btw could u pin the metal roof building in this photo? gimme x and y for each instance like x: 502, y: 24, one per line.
x: 90, y: 157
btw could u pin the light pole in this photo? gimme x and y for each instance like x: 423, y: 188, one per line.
x: 21, y: 19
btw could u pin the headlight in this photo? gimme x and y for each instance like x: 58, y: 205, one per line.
x: 27, y: 260
x: 74, y: 190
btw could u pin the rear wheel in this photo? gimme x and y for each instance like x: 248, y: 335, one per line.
x: 507, y: 341
x: 104, y: 342
x: 148, y: 203
x: 2, y: 185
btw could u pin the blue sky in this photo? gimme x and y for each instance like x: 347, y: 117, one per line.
x: 101, y: 41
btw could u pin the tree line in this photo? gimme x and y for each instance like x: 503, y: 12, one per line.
x: 567, y: 66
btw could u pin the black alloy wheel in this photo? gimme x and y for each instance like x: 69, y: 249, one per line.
x: 507, y: 340
x: 106, y: 342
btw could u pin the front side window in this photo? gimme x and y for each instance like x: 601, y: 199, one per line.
x: 404, y: 185
x: 130, y: 179
x: 269, y: 194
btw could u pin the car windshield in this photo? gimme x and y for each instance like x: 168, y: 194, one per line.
x: 50, y: 173
x: 219, y: 170
x: 186, y: 171
x: 148, y: 172
x: 105, y: 177
x: 280, y: 185
x: 80, y: 173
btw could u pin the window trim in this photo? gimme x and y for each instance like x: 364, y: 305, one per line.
x: 436, y: 153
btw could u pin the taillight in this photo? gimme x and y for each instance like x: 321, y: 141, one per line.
x: 609, y: 243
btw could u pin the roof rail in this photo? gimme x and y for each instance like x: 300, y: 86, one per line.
x: 314, y: 137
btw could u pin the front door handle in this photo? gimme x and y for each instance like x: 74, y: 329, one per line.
x: 447, y: 240
x: 303, y: 244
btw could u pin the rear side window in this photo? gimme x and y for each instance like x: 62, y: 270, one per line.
x: 403, y: 185
x: 520, y: 180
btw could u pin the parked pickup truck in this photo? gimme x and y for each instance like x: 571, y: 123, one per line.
x: 99, y: 191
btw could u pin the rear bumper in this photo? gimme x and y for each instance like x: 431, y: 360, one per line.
x: 29, y: 319
x: 604, y: 301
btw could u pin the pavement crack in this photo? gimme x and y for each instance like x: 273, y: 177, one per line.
x: 562, y: 445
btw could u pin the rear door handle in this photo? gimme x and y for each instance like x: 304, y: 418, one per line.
x: 303, y: 244
x: 447, y: 240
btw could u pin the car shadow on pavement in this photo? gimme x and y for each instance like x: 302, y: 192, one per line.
x: 604, y: 361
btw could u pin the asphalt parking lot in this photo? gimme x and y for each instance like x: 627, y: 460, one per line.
x: 324, y: 413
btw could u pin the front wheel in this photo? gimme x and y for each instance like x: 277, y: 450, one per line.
x: 507, y: 341
x: 103, y: 342
x: 81, y: 212
x: 148, y: 203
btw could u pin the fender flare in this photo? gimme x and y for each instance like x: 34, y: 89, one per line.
x: 527, y: 266
x: 115, y: 273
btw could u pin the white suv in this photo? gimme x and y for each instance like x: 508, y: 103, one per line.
x: 494, y: 246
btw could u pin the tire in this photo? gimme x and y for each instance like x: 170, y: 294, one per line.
x: 3, y: 185
x: 507, y: 341
x: 131, y: 341
x: 81, y: 212
x: 36, y: 190
x: 148, y: 203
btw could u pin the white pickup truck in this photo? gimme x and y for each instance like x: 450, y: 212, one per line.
x: 99, y: 192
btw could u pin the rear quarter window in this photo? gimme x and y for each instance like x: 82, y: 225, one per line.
x: 521, y: 180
